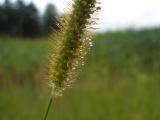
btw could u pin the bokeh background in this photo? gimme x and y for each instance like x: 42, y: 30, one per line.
x: 121, y: 78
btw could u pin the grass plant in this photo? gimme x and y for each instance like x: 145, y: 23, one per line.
x: 70, y: 46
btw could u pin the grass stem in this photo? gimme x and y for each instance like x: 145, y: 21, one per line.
x: 48, y: 108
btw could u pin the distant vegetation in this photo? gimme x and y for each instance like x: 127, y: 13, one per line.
x: 138, y: 48
x: 119, y: 82
x: 20, y: 19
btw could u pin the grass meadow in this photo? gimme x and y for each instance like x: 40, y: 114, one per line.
x: 120, y: 80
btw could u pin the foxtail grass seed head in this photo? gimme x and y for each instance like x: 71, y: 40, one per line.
x: 70, y: 45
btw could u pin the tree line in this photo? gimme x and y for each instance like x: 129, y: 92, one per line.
x: 20, y: 19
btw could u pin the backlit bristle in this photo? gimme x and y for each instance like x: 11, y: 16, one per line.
x: 70, y: 45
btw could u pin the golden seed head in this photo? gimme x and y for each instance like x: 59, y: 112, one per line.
x: 70, y: 45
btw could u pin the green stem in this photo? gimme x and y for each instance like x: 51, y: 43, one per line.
x: 48, y: 108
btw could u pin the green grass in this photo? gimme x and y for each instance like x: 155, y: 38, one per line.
x: 120, y: 80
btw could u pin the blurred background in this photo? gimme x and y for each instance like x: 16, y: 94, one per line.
x: 121, y: 78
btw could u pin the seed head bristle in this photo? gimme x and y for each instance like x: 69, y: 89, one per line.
x: 70, y: 45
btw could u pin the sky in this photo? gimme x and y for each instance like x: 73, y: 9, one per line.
x: 117, y: 14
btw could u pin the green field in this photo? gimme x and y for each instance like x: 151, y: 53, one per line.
x: 120, y: 80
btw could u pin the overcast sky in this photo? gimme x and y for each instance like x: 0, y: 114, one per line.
x: 118, y: 14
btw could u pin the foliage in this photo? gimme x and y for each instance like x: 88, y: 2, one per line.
x: 20, y: 19
x: 49, y: 19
